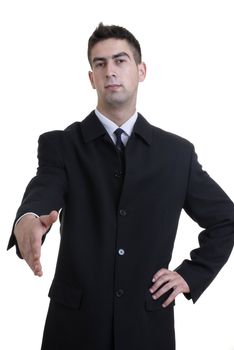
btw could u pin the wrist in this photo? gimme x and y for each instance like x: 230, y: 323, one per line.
x: 26, y: 215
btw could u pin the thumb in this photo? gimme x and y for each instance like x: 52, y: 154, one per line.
x: 48, y: 220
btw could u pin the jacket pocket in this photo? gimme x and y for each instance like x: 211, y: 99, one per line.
x: 66, y: 295
x: 152, y: 305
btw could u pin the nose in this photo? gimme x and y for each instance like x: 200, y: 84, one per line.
x: 110, y: 70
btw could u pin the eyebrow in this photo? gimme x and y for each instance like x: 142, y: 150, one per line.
x: 120, y: 54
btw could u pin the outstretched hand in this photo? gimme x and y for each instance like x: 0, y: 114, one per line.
x: 29, y: 232
x: 165, y: 280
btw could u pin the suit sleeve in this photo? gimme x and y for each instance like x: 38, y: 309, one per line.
x: 208, y: 205
x: 47, y: 190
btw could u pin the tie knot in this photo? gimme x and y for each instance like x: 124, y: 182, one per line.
x: 118, y: 132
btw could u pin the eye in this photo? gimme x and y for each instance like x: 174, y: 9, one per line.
x: 99, y: 64
x: 119, y: 61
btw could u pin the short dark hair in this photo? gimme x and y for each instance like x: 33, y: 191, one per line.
x: 103, y: 32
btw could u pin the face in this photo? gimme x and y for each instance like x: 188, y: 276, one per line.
x: 115, y: 74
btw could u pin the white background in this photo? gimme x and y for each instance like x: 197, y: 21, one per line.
x: 189, y: 90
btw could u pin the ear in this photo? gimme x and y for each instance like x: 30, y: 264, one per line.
x: 142, y: 71
x: 91, y: 79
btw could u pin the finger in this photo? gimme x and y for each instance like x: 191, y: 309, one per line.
x: 160, y: 273
x: 161, y: 281
x: 34, y: 265
x: 48, y: 220
x: 38, y: 269
x: 164, y: 289
x: 32, y: 254
x: 171, y: 298
x: 36, y: 248
x: 36, y: 255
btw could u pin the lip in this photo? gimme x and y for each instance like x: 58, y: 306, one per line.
x: 112, y: 86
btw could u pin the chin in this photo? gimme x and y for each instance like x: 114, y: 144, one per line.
x: 116, y: 100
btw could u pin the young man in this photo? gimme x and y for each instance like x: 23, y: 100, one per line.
x: 121, y: 184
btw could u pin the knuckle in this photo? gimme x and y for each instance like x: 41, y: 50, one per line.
x: 162, y: 279
x: 159, y: 292
x: 164, y: 289
x: 175, y: 293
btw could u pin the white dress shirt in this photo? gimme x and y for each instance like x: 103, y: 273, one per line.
x: 110, y: 126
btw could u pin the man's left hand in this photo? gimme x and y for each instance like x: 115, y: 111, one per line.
x: 164, y: 280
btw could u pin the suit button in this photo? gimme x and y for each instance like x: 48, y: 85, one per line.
x: 118, y: 175
x: 119, y: 293
x: 122, y: 212
x: 121, y: 252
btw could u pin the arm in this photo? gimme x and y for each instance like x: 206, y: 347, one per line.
x: 45, y: 193
x: 208, y: 205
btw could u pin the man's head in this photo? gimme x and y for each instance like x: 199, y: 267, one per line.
x: 103, y: 32
x: 115, y: 59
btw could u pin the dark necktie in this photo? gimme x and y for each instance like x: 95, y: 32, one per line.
x: 119, y: 142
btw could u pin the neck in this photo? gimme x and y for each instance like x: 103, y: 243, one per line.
x: 116, y: 115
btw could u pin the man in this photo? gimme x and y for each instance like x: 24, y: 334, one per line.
x: 121, y: 184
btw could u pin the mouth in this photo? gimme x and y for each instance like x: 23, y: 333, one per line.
x: 112, y: 86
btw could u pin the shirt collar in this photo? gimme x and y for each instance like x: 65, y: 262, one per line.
x: 92, y: 128
x: 110, y: 126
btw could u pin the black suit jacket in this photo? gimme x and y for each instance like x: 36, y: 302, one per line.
x: 118, y: 229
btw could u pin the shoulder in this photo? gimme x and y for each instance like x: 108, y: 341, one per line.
x: 59, y: 135
x: 170, y: 145
x: 167, y: 137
